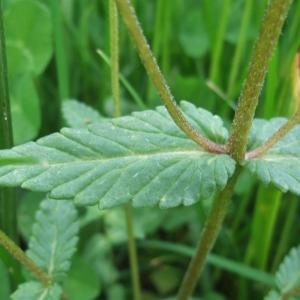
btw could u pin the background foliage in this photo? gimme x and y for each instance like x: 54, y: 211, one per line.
x: 53, y: 58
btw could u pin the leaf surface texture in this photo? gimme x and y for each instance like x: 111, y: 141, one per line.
x: 54, y: 237
x: 143, y: 158
x: 280, y: 165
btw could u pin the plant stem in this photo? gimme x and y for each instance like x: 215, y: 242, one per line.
x: 263, y: 49
x: 278, y: 135
x: 208, y: 237
x: 115, y: 86
x: 132, y: 253
x: 158, y: 80
x: 114, y: 54
x: 19, y: 255
x: 7, y: 196
x: 285, y: 128
x: 135, y: 96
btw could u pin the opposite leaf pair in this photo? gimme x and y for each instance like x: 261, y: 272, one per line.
x: 144, y: 158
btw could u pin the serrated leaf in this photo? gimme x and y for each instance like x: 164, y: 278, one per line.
x: 78, y: 114
x: 143, y: 158
x: 36, y: 291
x: 54, y: 237
x: 288, y: 274
x: 280, y: 165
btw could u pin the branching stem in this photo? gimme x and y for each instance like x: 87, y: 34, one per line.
x: 158, y: 80
x: 285, y: 128
x: 262, y: 53
x: 19, y: 255
x: 278, y: 135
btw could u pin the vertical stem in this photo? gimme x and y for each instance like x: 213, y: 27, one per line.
x: 262, y: 53
x: 60, y: 54
x: 114, y: 52
x: 8, y: 221
x: 208, y: 237
x: 135, y: 277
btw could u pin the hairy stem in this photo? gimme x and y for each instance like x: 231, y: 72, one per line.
x: 278, y: 135
x: 19, y: 255
x: 115, y: 86
x: 263, y: 49
x: 7, y: 196
x: 208, y: 237
x: 158, y: 80
x: 285, y: 128
x: 114, y: 54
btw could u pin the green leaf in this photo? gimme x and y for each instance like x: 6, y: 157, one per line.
x: 25, y: 108
x: 19, y: 60
x: 33, y: 32
x: 193, y: 35
x: 143, y: 158
x: 26, y: 212
x: 287, y: 277
x: 36, y: 291
x: 54, y: 237
x: 288, y: 274
x: 280, y: 165
x: 78, y: 114
x: 82, y: 282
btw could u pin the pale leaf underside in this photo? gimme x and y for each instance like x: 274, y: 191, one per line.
x: 280, y: 165
x: 54, y: 237
x: 34, y: 290
x: 143, y: 158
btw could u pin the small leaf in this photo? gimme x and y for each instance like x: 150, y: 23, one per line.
x: 79, y: 115
x: 54, y: 237
x: 280, y: 165
x: 36, y: 291
x: 24, y: 35
x: 143, y: 158
x: 25, y: 109
x: 82, y: 281
x: 193, y: 35
x: 288, y: 274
